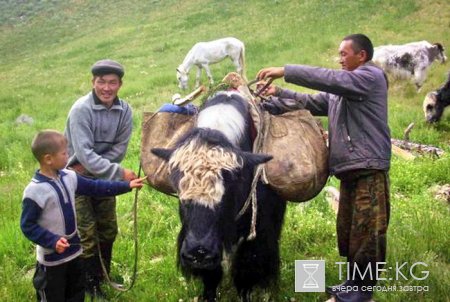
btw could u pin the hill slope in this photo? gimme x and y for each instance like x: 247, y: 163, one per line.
x: 47, y: 48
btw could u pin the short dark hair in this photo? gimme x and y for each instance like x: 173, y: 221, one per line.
x: 361, y: 42
x: 47, y: 142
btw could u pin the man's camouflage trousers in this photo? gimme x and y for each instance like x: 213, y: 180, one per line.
x: 97, y: 221
x: 363, y: 216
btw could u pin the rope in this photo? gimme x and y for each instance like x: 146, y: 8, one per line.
x: 260, y: 171
x: 117, y: 286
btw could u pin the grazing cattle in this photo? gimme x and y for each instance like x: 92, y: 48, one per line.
x: 410, y: 60
x: 212, y: 170
x: 204, y: 53
x: 436, y: 101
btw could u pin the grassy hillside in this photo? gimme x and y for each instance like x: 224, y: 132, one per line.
x: 47, y: 48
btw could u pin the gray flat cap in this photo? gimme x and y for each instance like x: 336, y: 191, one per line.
x: 107, y: 66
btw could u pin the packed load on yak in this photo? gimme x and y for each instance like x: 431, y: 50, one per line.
x: 299, y: 168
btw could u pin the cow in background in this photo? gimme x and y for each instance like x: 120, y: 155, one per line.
x: 409, y: 61
x: 436, y: 101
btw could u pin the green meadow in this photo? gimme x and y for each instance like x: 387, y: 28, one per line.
x: 47, y: 48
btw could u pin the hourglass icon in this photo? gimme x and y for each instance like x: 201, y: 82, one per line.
x: 310, y: 269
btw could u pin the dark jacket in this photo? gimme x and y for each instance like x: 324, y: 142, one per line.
x: 356, y: 105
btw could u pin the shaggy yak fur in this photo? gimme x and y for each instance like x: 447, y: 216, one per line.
x: 212, y: 169
x: 436, y: 101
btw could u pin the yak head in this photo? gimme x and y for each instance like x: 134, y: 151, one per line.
x: 435, y: 103
x: 213, y: 180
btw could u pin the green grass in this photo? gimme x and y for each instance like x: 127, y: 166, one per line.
x: 47, y: 48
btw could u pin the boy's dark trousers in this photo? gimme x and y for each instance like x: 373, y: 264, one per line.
x: 64, y: 282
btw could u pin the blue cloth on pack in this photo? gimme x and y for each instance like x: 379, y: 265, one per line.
x: 188, y: 109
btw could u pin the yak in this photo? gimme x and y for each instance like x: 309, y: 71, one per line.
x: 212, y: 169
x: 409, y: 61
x: 436, y: 101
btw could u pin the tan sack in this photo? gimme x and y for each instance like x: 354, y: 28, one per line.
x: 299, y: 168
x: 161, y: 130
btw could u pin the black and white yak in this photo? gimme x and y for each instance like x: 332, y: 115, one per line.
x: 436, y: 101
x: 212, y: 170
x: 409, y: 61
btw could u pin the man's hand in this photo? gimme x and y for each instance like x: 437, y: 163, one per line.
x: 128, y: 175
x: 61, y: 245
x: 79, y: 169
x: 270, y: 72
x: 270, y: 90
x: 272, y: 107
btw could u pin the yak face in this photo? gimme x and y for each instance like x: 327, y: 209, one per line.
x: 199, y: 242
x: 213, y: 183
x: 441, y: 53
x: 431, y: 108
x: 435, y: 103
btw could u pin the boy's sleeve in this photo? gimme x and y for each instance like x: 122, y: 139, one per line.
x: 31, y: 229
x: 100, y: 187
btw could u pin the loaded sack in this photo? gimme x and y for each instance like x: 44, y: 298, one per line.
x: 298, y: 170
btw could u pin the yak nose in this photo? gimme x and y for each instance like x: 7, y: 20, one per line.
x: 200, y: 256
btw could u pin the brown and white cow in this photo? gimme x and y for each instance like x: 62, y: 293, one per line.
x: 409, y: 61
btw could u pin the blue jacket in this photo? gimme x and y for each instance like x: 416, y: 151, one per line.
x: 356, y: 105
x: 48, y: 211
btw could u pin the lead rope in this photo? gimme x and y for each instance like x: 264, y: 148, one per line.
x: 260, y: 171
x: 117, y: 286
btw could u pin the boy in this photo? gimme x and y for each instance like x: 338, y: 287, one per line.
x: 48, y: 217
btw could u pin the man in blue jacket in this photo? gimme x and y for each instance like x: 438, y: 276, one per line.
x: 355, y: 101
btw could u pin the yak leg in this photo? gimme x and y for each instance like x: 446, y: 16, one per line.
x: 419, y: 77
x: 245, y: 296
x: 211, y: 280
x: 256, y: 262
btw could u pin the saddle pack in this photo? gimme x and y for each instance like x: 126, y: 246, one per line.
x: 298, y: 170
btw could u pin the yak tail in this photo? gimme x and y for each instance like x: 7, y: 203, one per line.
x: 242, y: 62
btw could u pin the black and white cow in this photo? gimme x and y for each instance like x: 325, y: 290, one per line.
x: 436, y: 101
x: 212, y: 170
x: 409, y: 61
